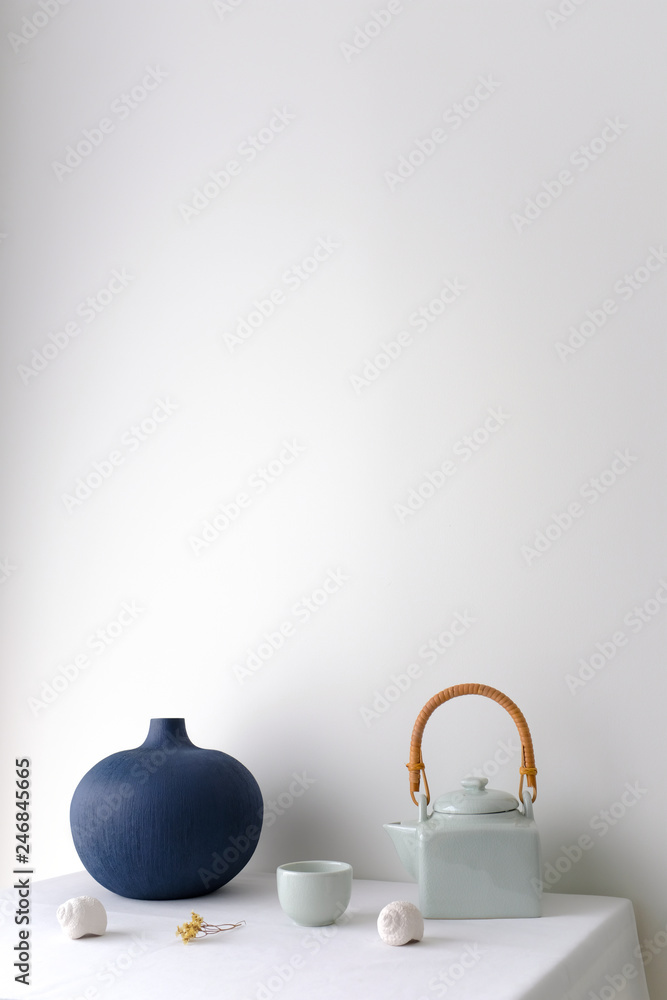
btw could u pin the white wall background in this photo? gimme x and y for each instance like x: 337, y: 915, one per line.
x: 348, y: 113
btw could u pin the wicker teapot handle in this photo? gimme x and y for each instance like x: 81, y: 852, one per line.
x: 416, y: 764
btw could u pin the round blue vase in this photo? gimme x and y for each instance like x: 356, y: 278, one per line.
x: 167, y: 820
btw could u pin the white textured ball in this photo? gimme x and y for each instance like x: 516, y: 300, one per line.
x: 82, y: 915
x: 400, y: 922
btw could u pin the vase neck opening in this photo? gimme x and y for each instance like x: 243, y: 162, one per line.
x: 170, y: 731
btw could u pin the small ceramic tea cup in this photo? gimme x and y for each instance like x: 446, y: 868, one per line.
x: 314, y: 893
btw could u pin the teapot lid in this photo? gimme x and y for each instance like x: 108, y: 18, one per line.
x: 475, y: 799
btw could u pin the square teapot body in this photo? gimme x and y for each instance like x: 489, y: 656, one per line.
x: 479, y: 866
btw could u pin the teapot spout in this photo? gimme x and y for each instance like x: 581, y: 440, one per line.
x: 404, y: 836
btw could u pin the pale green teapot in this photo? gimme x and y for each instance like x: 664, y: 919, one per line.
x: 477, y: 854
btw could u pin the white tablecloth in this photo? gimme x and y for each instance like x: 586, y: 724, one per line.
x: 582, y: 945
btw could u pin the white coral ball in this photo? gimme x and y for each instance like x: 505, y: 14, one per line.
x: 82, y: 915
x: 400, y: 922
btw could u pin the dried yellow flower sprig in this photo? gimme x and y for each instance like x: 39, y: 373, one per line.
x: 198, y: 928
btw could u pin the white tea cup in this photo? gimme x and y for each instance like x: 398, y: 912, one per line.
x: 314, y: 893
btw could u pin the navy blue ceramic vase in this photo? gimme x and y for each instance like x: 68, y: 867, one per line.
x: 166, y: 820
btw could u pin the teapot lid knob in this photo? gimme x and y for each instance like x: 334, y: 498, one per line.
x: 475, y: 799
x: 475, y: 784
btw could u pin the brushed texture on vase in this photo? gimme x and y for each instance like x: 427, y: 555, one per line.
x: 168, y: 819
